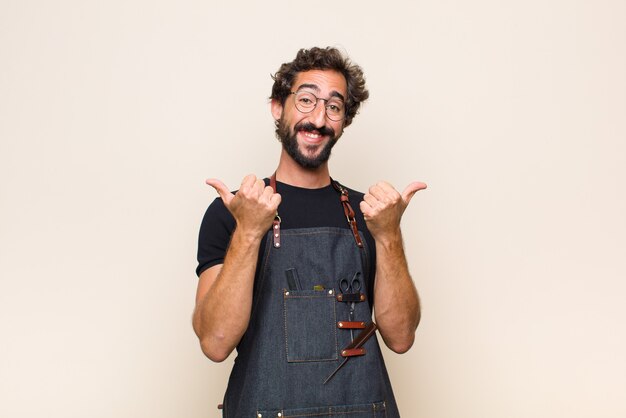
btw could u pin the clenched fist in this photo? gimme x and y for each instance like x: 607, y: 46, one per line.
x: 254, y: 205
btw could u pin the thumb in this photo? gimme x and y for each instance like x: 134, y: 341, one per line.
x: 411, y: 189
x: 221, y: 189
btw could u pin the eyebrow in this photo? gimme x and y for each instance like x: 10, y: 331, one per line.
x: 317, y: 89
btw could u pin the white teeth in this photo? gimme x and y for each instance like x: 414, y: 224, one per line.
x: 312, y: 135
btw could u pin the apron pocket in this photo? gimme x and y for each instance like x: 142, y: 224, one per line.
x: 310, y: 325
x: 369, y: 410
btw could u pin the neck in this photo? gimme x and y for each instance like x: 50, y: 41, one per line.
x: 292, y: 173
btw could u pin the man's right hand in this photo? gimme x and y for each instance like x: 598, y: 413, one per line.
x: 254, y: 206
x: 224, y: 296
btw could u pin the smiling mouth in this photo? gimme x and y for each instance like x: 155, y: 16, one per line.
x: 312, y: 138
x: 312, y: 135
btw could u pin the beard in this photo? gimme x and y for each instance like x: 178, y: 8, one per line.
x: 289, y: 141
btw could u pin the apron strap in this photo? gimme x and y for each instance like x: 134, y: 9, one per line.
x: 347, y: 209
x: 276, y: 221
x: 349, y: 212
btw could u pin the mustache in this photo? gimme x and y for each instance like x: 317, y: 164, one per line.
x: 309, y: 127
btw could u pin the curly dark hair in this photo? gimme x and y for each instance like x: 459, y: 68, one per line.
x: 328, y: 58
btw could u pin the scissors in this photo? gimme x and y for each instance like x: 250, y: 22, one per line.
x: 352, y: 287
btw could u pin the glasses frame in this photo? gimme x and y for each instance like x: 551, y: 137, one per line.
x: 317, y: 99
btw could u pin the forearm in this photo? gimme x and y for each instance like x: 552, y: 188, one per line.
x: 396, y: 302
x: 222, y: 314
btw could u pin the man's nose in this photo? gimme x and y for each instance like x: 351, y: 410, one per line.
x: 318, y: 115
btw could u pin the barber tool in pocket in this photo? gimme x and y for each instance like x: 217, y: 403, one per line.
x: 293, y: 281
x: 355, y: 348
x: 309, y: 320
x: 350, y: 292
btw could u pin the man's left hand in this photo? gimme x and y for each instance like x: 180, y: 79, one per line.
x: 383, y: 207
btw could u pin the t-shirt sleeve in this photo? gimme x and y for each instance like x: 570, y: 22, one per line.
x: 215, y: 232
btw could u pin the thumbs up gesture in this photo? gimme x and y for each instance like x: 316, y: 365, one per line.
x: 383, y: 206
x: 254, y: 205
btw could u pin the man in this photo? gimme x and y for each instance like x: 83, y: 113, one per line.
x: 291, y: 268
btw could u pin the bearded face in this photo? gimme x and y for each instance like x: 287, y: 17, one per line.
x: 307, y: 121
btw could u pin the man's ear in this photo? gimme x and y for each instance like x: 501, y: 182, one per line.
x: 277, y: 109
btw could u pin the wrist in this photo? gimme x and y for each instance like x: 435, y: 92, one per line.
x: 247, y: 236
x: 389, y: 241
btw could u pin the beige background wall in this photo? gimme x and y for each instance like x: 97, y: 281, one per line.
x: 113, y: 113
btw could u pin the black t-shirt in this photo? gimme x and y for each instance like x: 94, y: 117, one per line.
x: 299, y: 208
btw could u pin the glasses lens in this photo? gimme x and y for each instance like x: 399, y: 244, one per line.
x: 305, y: 101
x: 335, y: 109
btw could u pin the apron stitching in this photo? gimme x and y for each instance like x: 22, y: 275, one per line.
x: 334, y: 327
x: 333, y: 320
x: 337, y: 231
x: 285, y: 327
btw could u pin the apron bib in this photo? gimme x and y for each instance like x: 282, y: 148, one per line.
x: 293, y: 342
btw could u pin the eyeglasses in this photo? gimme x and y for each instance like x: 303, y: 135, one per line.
x: 306, y: 102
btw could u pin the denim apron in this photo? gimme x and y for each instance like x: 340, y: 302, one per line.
x: 293, y: 342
